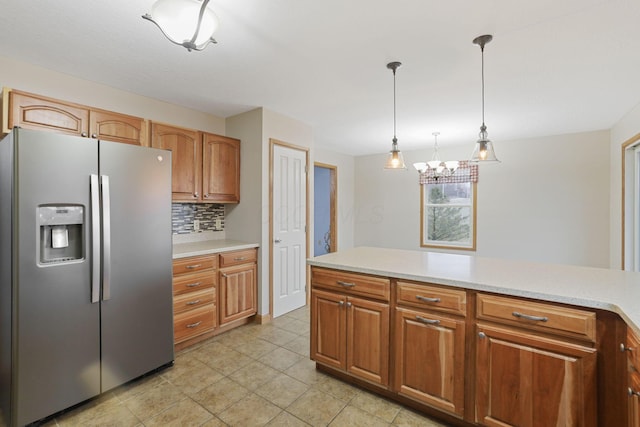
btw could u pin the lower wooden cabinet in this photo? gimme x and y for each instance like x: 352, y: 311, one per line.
x: 632, y: 350
x: 429, y: 359
x: 211, y: 292
x: 351, y: 334
x: 524, y: 380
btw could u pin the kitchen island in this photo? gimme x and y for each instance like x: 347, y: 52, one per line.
x: 480, y: 341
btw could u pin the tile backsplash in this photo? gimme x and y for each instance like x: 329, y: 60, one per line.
x: 210, y: 215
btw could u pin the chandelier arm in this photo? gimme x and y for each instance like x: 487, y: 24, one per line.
x: 200, y: 15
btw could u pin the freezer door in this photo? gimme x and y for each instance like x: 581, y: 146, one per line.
x: 137, y: 312
x: 56, y: 327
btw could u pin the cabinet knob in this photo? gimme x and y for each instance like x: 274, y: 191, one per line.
x: 195, y: 194
x: 94, y: 135
x: 482, y: 335
x: 341, y: 303
x: 632, y: 392
x: 349, y: 304
x: 624, y: 348
x: 83, y: 134
x: 206, y: 195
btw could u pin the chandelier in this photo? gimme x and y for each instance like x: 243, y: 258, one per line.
x: 436, y: 167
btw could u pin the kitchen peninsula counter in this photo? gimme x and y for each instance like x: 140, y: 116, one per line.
x: 612, y: 290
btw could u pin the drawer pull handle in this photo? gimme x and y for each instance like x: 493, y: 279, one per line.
x: 529, y: 317
x: 193, y: 285
x: 194, y: 302
x: 240, y: 258
x: 345, y: 284
x: 194, y: 325
x: 427, y: 299
x: 191, y: 267
x: 624, y: 348
x: 632, y: 392
x: 427, y: 321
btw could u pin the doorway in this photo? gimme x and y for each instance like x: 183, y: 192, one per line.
x: 325, y: 185
x: 288, y: 227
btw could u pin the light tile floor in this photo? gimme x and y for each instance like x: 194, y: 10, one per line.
x: 255, y: 375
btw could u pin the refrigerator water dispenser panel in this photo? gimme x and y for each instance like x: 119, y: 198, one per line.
x: 61, y: 231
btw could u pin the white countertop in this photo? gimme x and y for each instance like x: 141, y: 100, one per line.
x: 613, y: 290
x: 206, y: 247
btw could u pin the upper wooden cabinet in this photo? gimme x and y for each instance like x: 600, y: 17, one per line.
x: 186, y: 154
x: 31, y: 111
x: 206, y: 167
x: 221, y: 169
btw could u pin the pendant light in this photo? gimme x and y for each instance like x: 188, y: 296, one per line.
x: 435, y: 166
x: 395, y: 160
x: 483, y: 151
x: 188, y: 23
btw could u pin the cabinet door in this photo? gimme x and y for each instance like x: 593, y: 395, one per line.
x: 429, y: 359
x: 109, y: 126
x: 186, y: 149
x: 40, y: 113
x: 523, y: 380
x: 368, y: 340
x: 221, y: 169
x: 237, y: 292
x: 328, y: 329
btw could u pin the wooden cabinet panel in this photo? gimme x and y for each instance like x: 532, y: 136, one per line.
x: 228, y: 259
x: 186, y: 148
x: 194, y: 264
x: 191, y: 300
x: 34, y: 112
x: 368, y: 340
x: 108, y: 126
x: 328, y: 329
x: 221, y: 169
x: 431, y: 297
x: 237, y: 292
x: 351, y: 334
x: 351, y: 283
x: 546, y: 318
x: 194, y: 322
x: 533, y: 381
x: 429, y: 359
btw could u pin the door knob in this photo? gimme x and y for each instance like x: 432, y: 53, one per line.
x: 277, y: 241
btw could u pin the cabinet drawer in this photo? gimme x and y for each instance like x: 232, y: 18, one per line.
x: 194, y: 264
x: 542, y: 317
x: 194, y: 322
x: 193, y: 282
x: 193, y: 300
x: 238, y: 257
x: 357, y: 284
x: 432, y: 297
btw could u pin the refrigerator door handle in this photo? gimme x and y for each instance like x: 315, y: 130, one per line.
x: 95, y: 238
x: 106, y: 238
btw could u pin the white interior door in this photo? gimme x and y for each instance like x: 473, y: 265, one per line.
x: 289, y: 214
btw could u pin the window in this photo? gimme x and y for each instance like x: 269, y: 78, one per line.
x: 448, y: 215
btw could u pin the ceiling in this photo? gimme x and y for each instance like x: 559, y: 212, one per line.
x: 553, y: 67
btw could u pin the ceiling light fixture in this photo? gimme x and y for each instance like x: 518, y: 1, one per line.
x: 483, y: 150
x: 395, y: 160
x: 436, y: 167
x: 188, y: 23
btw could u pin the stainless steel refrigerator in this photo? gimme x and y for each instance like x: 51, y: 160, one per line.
x: 85, y: 269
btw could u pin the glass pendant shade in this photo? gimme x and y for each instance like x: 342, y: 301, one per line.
x: 483, y: 150
x: 178, y: 21
x: 395, y: 159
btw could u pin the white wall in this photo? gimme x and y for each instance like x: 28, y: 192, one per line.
x: 30, y: 78
x: 256, y: 128
x: 625, y: 129
x: 345, y: 201
x: 547, y: 201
